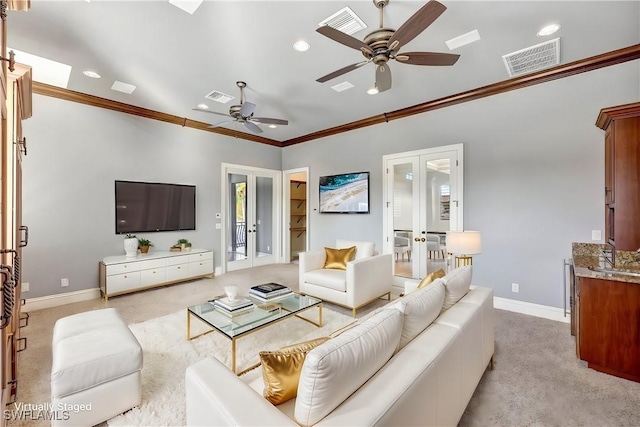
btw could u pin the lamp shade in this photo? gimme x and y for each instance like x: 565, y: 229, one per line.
x: 464, y: 242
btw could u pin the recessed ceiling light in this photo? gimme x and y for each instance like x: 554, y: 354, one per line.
x: 548, y: 30
x: 463, y: 40
x: 373, y: 91
x: 123, y: 87
x: 342, y: 86
x: 91, y: 74
x: 203, y: 106
x: 273, y: 126
x: 301, y: 46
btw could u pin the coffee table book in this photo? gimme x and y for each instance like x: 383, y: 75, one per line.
x: 269, y: 290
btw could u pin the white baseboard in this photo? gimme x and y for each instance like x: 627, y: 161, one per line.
x: 217, y: 271
x: 48, y: 301
x: 544, y: 311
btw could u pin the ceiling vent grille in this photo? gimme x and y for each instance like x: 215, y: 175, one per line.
x: 534, y: 58
x: 220, y: 97
x: 345, y: 20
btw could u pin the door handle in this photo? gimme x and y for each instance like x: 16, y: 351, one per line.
x: 417, y: 239
x: 423, y: 240
x: 24, y: 242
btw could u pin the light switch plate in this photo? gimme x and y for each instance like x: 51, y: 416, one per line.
x: 596, y: 235
x: 218, y: 226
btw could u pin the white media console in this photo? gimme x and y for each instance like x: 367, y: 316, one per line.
x: 120, y: 275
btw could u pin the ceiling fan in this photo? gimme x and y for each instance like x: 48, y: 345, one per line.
x: 243, y: 113
x: 384, y: 44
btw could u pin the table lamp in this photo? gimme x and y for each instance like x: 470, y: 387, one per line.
x: 463, y: 244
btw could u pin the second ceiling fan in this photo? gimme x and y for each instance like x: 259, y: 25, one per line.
x: 384, y: 44
x: 243, y: 113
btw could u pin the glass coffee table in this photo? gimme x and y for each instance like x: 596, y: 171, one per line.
x: 261, y: 316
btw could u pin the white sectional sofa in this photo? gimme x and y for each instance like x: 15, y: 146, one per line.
x: 405, y: 364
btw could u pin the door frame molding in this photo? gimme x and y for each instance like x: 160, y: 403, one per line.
x: 224, y: 203
x: 387, y: 197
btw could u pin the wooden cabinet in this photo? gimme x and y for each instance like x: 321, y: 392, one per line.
x: 622, y: 175
x: 121, y: 275
x: 608, y: 326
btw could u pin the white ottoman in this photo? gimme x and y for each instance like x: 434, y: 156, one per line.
x: 95, y: 373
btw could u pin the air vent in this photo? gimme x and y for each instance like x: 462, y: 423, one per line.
x: 342, y: 86
x: 220, y: 97
x: 534, y: 58
x: 345, y: 20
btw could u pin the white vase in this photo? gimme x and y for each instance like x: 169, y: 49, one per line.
x: 131, y: 247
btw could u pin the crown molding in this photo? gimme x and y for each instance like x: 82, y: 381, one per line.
x: 561, y: 71
x: 95, y: 101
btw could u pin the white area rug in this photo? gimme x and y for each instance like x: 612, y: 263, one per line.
x: 167, y: 354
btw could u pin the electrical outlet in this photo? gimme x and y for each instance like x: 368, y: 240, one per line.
x: 25, y: 286
x: 515, y: 287
x: 596, y: 235
x: 64, y: 282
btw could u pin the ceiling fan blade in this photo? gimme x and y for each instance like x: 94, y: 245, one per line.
x: 427, y: 58
x: 343, y: 38
x: 341, y: 71
x: 252, y: 127
x: 215, y: 125
x: 418, y: 22
x: 210, y: 112
x: 383, y: 77
x: 247, y: 109
x: 268, y: 121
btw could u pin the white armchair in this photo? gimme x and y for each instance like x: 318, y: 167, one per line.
x: 434, y: 246
x: 367, y: 278
x: 401, y: 246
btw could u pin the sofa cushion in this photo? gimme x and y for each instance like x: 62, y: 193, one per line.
x: 338, y: 258
x: 363, y: 249
x: 281, y: 370
x: 334, y: 370
x: 429, y: 278
x: 420, y: 308
x: 333, y: 279
x: 457, y: 285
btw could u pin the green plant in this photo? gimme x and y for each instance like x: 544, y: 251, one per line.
x: 144, y: 242
x: 183, y: 241
x: 130, y: 236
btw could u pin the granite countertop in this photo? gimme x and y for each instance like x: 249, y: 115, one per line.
x: 586, y: 255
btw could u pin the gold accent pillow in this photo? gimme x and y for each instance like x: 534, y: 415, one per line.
x: 431, y: 277
x: 281, y: 370
x: 338, y: 258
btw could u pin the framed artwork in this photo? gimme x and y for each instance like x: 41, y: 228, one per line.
x: 345, y: 193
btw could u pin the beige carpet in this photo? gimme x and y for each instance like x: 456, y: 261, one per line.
x: 537, y: 378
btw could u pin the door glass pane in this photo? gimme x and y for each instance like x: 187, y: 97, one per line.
x: 263, y: 228
x: 438, y: 178
x: 236, y: 225
x: 403, y: 200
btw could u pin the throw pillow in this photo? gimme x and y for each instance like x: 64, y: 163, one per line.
x: 338, y: 258
x: 456, y: 286
x: 281, y: 370
x: 429, y: 278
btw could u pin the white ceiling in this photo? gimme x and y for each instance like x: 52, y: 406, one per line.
x: 175, y: 58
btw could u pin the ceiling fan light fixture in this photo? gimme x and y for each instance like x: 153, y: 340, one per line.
x: 373, y: 91
x: 301, y: 46
x: 273, y: 126
x: 548, y: 30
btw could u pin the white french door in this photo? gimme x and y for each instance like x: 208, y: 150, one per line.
x: 251, y: 206
x: 423, y: 194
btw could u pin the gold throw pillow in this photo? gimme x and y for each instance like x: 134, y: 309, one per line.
x: 431, y: 277
x: 281, y: 370
x: 338, y: 258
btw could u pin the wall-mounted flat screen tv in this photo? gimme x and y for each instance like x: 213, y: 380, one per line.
x: 152, y: 206
x: 345, y: 193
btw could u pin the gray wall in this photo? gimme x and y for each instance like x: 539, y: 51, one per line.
x: 76, y: 152
x: 533, y: 177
